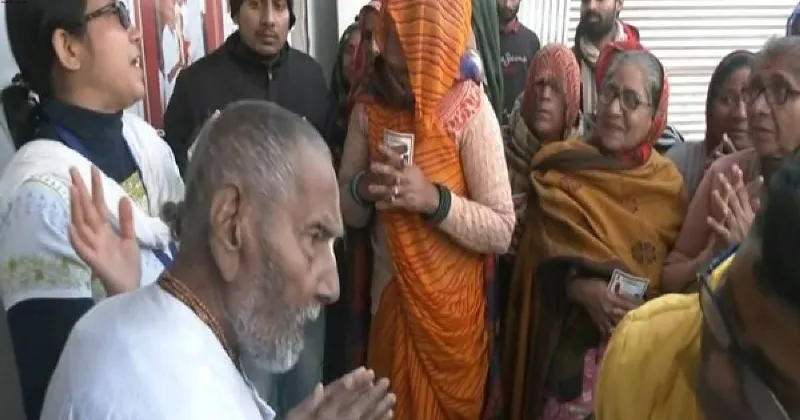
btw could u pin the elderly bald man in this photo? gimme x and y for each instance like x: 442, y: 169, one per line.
x: 255, y: 265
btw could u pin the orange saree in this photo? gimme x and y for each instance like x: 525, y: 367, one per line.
x: 429, y: 334
x: 587, y: 215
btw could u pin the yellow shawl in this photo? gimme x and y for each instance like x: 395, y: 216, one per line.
x: 590, y: 213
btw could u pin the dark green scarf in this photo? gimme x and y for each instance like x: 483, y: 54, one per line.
x: 486, y: 26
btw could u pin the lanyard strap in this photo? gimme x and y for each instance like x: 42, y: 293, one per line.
x: 166, y: 259
x: 73, y: 142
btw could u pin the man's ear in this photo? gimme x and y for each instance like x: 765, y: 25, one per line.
x: 226, y: 221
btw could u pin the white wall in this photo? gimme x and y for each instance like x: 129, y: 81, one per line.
x: 547, y: 18
x: 323, y: 35
x: 7, y: 67
x: 346, y: 13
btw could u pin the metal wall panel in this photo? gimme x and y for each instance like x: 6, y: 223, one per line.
x: 548, y: 18
x: 690, y: 37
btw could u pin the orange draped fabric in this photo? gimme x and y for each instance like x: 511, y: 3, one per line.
x: 429, y: 334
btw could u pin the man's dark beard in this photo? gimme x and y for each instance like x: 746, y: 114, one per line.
x: 507, y: 14
x: 595, y: 31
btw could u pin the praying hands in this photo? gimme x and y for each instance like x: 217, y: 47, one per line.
x: 736, y: 204
x: 355, y: 396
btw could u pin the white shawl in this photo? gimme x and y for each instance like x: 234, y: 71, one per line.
x: 52, y: 159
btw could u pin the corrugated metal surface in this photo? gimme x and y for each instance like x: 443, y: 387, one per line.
x: 548, y: 18
x: 690, y: 37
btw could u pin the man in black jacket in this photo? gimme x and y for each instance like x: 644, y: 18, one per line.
x: 256, y: 62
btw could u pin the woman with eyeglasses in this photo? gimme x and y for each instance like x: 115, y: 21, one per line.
x: 729, y: 352
x: 724, y: 205
x: 603, y: 208
x: 79, y: 63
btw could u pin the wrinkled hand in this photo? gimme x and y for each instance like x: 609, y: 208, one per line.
x: 113, y: 258
x: 736, y: 203
x: 371, y: 178
x: 604, y: 307
x: 403, y: 187
x: 352, y: 397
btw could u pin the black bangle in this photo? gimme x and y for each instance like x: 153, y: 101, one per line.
x: 354, y: 190
x: 445, y: 201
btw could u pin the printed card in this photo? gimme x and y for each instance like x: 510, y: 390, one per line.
x: 402, y: 143
x: 626, y: 284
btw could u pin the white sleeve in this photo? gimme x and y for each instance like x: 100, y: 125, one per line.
x: 36, y: 258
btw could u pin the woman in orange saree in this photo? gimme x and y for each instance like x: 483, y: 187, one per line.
x: 437, y: 213
x: 608, y: 203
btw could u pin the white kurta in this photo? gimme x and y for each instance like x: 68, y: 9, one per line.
x: 145, y: 355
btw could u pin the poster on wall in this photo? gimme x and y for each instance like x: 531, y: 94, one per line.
x: 175, y: 34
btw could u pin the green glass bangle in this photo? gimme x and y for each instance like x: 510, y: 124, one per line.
x: 354, y: 190
x: 445, y: 201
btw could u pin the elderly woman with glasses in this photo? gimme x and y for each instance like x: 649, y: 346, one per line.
x: 599, y: 211
x: 730, y: 352
x: 723, y: 207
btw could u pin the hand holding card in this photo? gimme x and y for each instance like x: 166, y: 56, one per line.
x: 400, y: 143
x: 625, y: 284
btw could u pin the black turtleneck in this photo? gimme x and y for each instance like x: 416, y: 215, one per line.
x: 99, y: 133
x: 235, y: 72
x: 39, y: 327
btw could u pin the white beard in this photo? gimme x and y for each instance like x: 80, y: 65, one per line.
x: 274, y: 348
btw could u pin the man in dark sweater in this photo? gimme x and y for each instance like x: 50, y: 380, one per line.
x: 256, y: 62
x: 518, y: 45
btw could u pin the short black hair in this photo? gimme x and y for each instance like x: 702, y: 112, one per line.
x: 30, y: 25
x: 777, y: 226
x: 235, y: 5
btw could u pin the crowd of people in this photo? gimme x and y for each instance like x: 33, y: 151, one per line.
x: 463, y: 225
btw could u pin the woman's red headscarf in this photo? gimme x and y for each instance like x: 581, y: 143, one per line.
x: 554, y: 60
x: 604, y: 61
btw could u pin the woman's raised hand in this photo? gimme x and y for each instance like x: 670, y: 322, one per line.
x: 725, y: 147
x: 736, y: 204
x: 114, y: 258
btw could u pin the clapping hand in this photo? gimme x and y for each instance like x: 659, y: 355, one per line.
x: 114, y: 258
x: 736, y: 204
x: 404, y: 186
x: 354, y: 396
x: 725, y: 147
